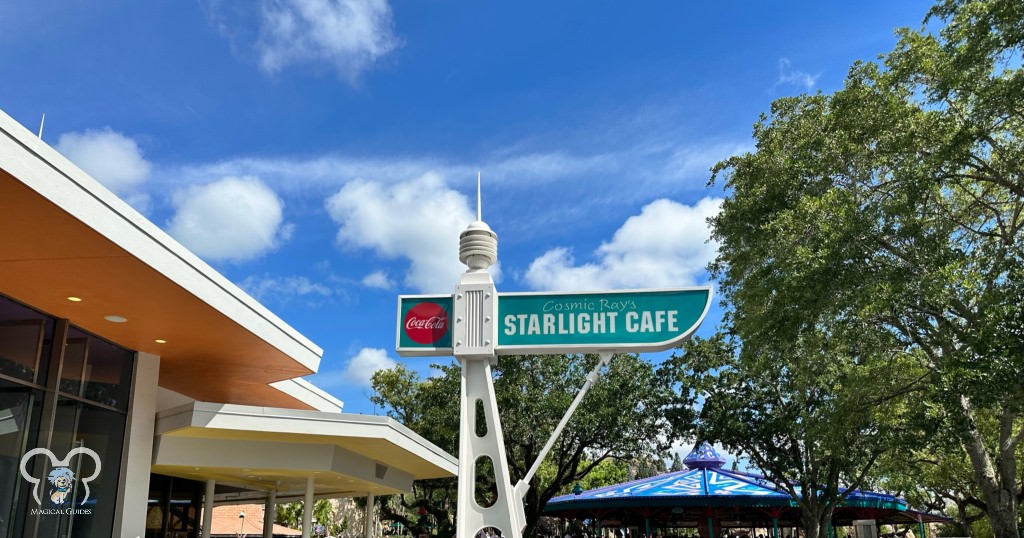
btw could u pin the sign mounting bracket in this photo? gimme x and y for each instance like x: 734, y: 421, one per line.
x: 523, y: 486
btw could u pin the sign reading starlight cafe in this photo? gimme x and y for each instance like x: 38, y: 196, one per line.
x: 546, y: 323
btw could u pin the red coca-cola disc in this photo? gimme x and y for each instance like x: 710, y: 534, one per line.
x: 426, y: 323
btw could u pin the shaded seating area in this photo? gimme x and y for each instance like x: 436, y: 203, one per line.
x: 709, y: 501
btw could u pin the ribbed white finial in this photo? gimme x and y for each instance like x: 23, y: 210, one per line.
x: 478, y: 245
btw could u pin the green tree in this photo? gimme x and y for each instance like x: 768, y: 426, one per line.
x: 646, y: 465
x: 289, y: 515
x: 429, y: 407
x: 934, y: 480
x: 897, y: 203
x: 677, y: 463
x: 324, y: 513
x: 617, y: 419
x: 607, y: 473
x: 813, y: 414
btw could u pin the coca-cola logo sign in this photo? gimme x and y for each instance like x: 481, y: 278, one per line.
x: 426, y: 323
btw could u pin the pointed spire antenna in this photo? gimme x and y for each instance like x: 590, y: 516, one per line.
x: 41, y: 122
x: 478, y: 245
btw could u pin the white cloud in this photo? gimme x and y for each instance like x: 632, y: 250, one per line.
x: 335, y: 170
x: 110, y: 157
x: 666, y: 245
x: 347, y: 34
x: 361, y: 367
x: 794, y: 77
x: 544, y: 180
x: 272, y: 287
x: 666, y: 165
x: 378, y: 279
x: 419, y: 220
x: 696, y: 161
x: 140, y: 201
x: 235, y: 218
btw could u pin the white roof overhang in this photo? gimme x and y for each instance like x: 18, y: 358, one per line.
x: 266, y: 449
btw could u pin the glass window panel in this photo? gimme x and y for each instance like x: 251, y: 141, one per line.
x: 80, y: 424
x: 72, y: 371
x: 96, y: 370
x: 109, y: 377
x: 91, y: 369
x: 174, y: 507
x: 24, y: 337
x: 19, y: 419
x: 159, y: 490
x: 186, y: 497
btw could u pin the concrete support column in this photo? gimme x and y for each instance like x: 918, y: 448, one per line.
x: 269, y: 513
x: 208, y: 508
x: 307, y: 509
x: 368, y: 518
x: 137, y: 454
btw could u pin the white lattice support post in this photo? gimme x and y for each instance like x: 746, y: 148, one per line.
x: 502, y: 514
x: 475, y: 337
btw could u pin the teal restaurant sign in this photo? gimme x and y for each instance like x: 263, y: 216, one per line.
x: 570, y: 322
x: 631, y: 320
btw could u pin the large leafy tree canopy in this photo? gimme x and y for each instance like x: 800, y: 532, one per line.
x: 618, y: 419
x: 937, y: 476
x: 894, y: 208
x: 813, y: 415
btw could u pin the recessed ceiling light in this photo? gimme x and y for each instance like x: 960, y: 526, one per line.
x: 116, y: 319
x: 160, y: 341
x: 74, y: 299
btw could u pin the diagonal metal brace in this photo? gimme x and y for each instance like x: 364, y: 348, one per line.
x: 523, y: 486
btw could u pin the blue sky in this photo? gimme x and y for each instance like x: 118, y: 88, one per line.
x: 323, y: 153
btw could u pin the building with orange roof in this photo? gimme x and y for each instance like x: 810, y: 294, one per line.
x: 162, y: 387
x: 245, y: 520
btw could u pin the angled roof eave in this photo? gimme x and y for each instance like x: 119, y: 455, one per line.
x: 373, y: 436
x: 69, y: 235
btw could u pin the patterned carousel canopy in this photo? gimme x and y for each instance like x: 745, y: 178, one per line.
x: 704, y: 483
